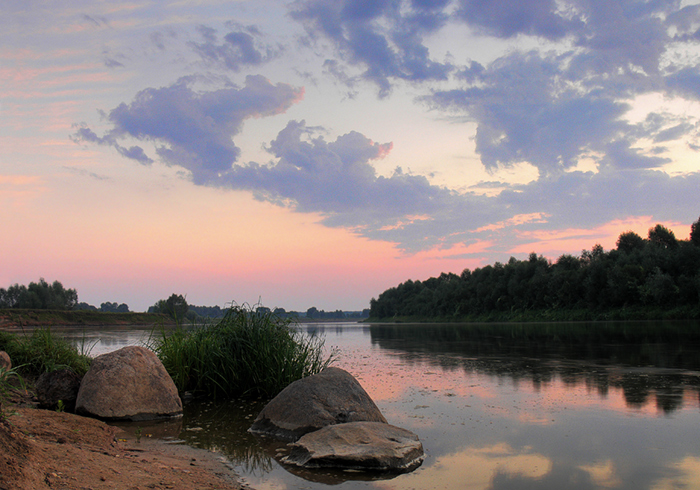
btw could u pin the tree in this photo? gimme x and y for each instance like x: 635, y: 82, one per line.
x: 39, y: 295
x: 662, y: 236
x: 629, y: 241
x: 594, y: 254
x: 114, y: 307
x: 175, y: 307
x: 695, y: 233
x: 86, y: 307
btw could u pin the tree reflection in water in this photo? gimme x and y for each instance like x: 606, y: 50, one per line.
x: 650, y: 361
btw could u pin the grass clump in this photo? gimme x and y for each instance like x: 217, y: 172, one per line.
x: 10, y: 380
x: 248, y: 353
x: 43, y: 351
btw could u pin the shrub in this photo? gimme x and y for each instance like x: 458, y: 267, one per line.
x: 246, y: 353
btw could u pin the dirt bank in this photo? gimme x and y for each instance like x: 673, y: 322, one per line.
x: 16, y: 318
x: 41, y: 449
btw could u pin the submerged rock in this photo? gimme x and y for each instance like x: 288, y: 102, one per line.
x: 358, y: 445
x: 61, y: 385
x: 331, y: 397
x: 128, y: 384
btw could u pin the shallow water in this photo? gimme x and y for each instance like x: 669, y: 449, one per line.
x: 494, y: 406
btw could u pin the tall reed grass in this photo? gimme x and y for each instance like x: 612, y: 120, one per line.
x: 247, y: 353
x: 41, y: 350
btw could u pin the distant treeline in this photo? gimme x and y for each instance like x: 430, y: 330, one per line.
x: 106, y: 307
x: 39, y: 295
x: 657, y: 276
x: 44, y: 296
x: 314, y: 313
x: 176, y: 306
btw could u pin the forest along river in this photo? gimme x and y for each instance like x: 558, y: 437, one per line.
x: 550, y: 406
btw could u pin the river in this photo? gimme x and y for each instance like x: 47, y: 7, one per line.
x: 575, y: 406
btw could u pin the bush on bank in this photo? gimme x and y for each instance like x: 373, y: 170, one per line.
x: 248, y: 353
x: 41, y: 350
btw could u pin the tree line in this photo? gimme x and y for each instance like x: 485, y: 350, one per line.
x: 106, y: 307
x: 656, y: 273
x: 39, y: 295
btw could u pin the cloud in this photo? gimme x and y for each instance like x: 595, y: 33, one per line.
x: 587, y: 199
x: 615, y: 34
x: 387, y: 38
x: 95, y: 21
x: 548, y: 108
x: 240, y: 48
x: 685, y: 82
x: 508, y: 18
x: 87, y: 135
x: 526, y: 111
x: 673, y: 133
x: 157, y: 40
x: 383, y: 37
x: 337, y: 181
x: 190, y: 129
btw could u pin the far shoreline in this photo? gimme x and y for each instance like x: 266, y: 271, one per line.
x: 13, y: 319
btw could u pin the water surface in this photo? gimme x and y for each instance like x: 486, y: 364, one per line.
x: 575, y: 406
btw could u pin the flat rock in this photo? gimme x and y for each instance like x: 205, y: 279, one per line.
x: 330, y: 397
x: 358, y: 445
x: 128, y: 384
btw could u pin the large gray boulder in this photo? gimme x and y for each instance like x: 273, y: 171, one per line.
x: 358, y: 445
x: 5, y: 361
x: 128, y: 384
x: 331, y: 397
x: 61, y: 385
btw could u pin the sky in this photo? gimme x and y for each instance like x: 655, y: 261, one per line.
x: 317, y: 152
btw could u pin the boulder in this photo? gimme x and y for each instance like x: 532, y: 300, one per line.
x: 128, y: 384
x: 62, y: 385
x: 330, y: 397
x: 358, y: 445
x: 5, y: 361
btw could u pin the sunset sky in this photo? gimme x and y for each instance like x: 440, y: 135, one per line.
x: 317, y: 152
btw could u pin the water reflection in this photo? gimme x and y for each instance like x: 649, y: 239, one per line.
x: 503, y: 407
x: 654, y: 363
x: 222, y: 427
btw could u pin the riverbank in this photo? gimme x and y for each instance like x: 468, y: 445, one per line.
x: 636, y: 313
x: 17, y: 318
x: 42, y: 449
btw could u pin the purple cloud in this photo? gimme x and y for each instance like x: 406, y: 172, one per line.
x: 526, y: 113
x: 240, y: 48
x: 508, y: 18
x: 380, y: 36
x: 190, y: 129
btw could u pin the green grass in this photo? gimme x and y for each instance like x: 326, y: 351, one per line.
x: 43, y: 351
x: 247, y: 353
x: 10, y: 380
